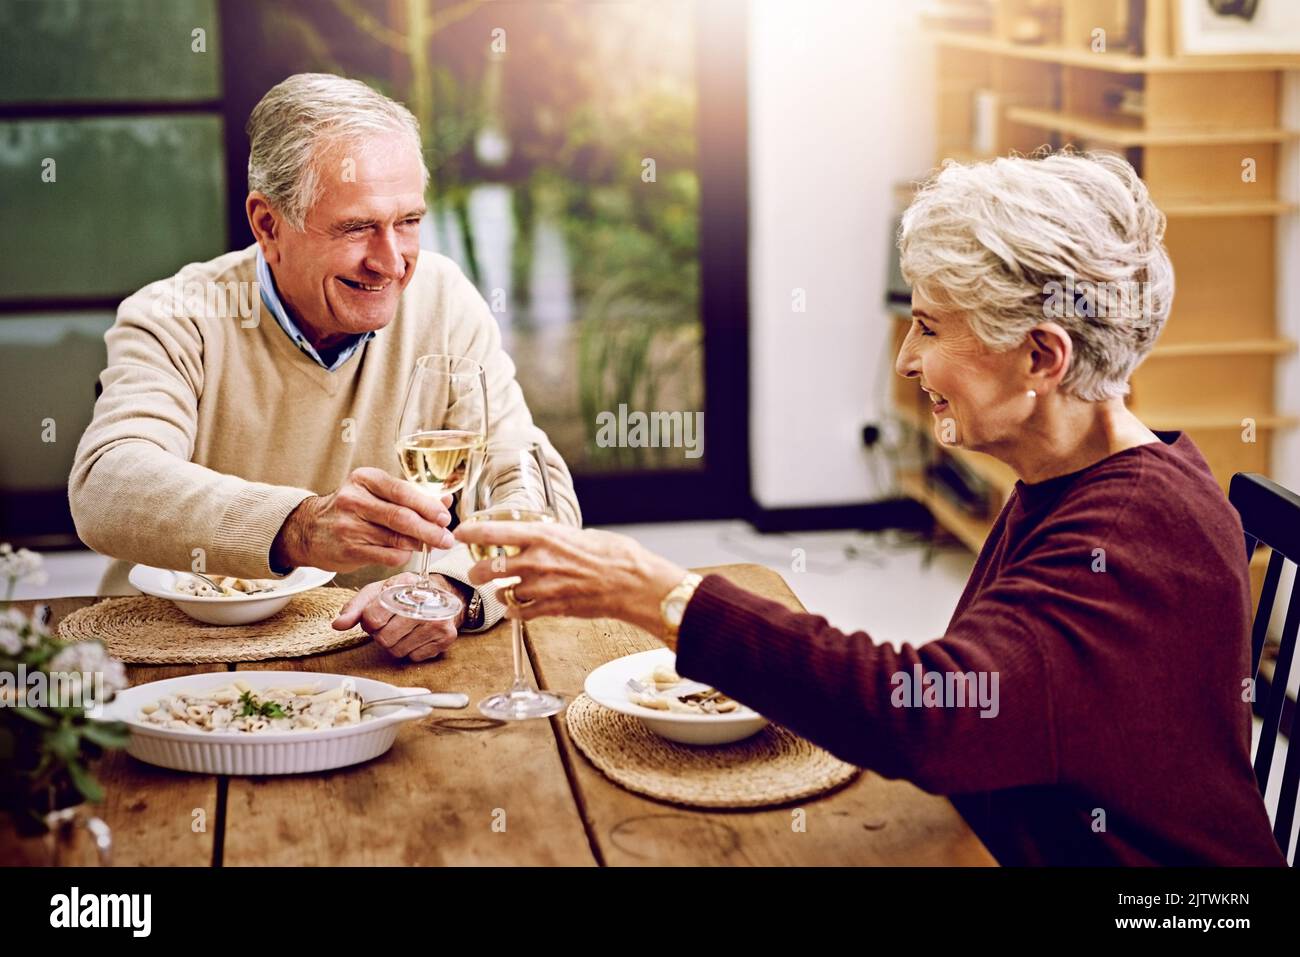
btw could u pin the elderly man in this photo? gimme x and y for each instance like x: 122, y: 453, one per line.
x: 249, y: 407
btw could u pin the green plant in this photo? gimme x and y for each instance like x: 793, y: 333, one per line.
x: 48, y: 738
x: 630, y: 348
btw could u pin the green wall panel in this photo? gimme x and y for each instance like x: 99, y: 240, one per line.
x: 49, y: 364
x: 108, y: 51
x: 133, y: 199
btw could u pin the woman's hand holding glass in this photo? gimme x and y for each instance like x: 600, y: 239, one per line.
x: 581, y: 573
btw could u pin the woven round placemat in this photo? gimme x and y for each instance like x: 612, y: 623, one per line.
x: 775, y: 766
x: 147, y: 630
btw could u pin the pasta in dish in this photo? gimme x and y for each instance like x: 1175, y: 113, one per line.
x: 196, y: 587
x: 238, y: 707
x: 659, y: 697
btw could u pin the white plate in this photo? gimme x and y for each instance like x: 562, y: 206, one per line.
x: 267, y: 752
x: 607, y: 685
x: 226, y: 610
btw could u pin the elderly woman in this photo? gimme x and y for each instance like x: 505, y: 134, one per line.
x: 1108, y: 609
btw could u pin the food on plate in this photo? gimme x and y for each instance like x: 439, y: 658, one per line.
x: 238, y: 707
x: 195, y: 587
x: 657, y: 694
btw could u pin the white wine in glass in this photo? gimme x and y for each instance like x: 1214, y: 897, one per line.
x: 438, y: 460
x: 503, y: 513
x: 511, y: 484
x: 443, y: 420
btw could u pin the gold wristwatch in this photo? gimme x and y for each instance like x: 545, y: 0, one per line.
x: 673, y: 607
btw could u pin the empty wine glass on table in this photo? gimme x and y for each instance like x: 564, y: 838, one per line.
x: 510, y: 483
x: 443, y: 420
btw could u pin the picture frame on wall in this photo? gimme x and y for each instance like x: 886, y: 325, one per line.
x: 1238, y: 27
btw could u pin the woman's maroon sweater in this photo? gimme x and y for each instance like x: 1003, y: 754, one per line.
x: 1088, y: 702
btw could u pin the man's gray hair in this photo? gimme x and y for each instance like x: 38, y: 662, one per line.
x: 302, y: 116
x: 1073, y: 238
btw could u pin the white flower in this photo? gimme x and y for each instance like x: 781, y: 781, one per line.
x: 12, y: 618
x: 23, y: 565
x: 82, y: 656
x: 114, y: 676
x: 30, y: 631
x: 17, y: 630
x: 90, y: 657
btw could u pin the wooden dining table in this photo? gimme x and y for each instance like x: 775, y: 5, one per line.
x: 460, y: 789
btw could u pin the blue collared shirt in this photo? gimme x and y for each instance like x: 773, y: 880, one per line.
x: 271, y: 298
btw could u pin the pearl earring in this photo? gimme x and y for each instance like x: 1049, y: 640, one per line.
x: 1032, y: 394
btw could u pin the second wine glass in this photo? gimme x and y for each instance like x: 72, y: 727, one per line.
x: 510, y: 483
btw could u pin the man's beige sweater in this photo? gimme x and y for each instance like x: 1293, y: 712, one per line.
x: 213, y: 426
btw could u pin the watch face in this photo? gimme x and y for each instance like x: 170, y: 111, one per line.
x: 676, y: 608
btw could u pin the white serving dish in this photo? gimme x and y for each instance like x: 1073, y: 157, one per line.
x: 231, y: 610
x: 607, y: 685
x: 280, y: 752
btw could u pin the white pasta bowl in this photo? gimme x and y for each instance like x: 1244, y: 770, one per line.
x: 607, y: 685
x: 262, y: 752
x: 226, y: 610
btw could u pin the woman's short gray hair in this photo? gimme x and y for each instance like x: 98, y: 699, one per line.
x: 298, y: 118
x: 1069, y: 237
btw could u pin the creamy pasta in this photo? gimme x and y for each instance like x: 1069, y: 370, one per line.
x: 238, y: 707
x: 196, y: 587
x: 658, y: 696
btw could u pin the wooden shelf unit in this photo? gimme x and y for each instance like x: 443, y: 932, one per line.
x: 1191, y: 125
x: 1129, y: 131
x: 1111, y: 62
x: 1266, y: 207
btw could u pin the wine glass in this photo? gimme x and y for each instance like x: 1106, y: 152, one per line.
x: 443, y: 420
x: 510, y: 483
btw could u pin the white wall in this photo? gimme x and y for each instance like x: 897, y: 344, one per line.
x: 842, y: 96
